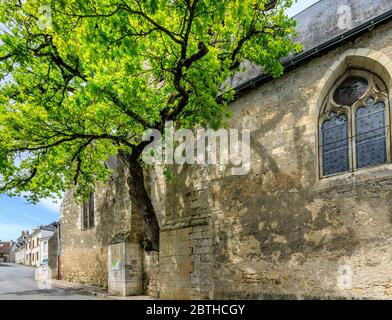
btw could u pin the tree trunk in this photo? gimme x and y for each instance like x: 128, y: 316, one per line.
x: 141, y: 199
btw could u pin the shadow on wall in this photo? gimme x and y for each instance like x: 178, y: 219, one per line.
x: 276, y: 234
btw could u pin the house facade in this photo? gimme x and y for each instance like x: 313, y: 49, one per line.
x: 5, y: 251
x: 40, y: 247
x: 37, y: 245
x: 13, y: 251
x: 20, y: 254
x: 312, y: 218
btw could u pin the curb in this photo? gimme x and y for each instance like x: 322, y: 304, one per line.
x: 94, y: 291
x: 79, y: 288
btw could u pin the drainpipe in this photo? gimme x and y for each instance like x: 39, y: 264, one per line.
x: 58, y: 251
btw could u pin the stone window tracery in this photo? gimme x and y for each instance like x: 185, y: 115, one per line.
x: 354, y: 124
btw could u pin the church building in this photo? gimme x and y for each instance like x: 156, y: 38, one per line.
x: 313, y: 217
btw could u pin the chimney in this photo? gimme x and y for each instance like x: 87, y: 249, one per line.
x: 27, y: 233
x: 23, y: 233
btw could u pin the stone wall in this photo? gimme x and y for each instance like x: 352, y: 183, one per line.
x: 84, y: 252
x: 151, y: 274
x: 281, y: 231
x: 126, y: 269
x: 53, y: 252
x: 185, y: 263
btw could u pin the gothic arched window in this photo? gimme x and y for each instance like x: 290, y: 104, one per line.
x: 354, y: 124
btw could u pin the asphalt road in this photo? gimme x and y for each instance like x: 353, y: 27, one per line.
x: 17, y: 283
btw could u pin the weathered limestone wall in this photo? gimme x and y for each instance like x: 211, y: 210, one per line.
x: 126, y: 269
x: 281, y: 231
x: 52, y: 253
x: 84, y: 252
x: 185, y: 257
x: 151, y: 273
x: 87, y: 265
x: 185, y: 263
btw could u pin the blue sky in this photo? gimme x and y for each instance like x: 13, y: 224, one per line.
x: 300, y: 5
x: 17, y: 215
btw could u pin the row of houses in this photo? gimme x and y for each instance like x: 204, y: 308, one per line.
x: 41, y: 246
x: 7, y: 251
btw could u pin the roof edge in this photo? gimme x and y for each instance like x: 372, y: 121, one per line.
x: 304, y: 57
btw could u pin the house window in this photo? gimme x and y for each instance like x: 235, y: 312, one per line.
x: 354, y: 124
x: 88, y: 213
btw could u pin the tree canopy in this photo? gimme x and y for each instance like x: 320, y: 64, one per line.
x: 81, y: 80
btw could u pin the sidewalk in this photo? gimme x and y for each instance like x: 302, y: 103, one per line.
x: 94, y: 291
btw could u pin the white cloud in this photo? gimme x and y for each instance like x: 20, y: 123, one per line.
x: 51, y: 204
x: 34, y: 218
x: 10, y: 231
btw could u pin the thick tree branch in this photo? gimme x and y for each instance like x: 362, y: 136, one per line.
x: 203, y: 51
x: 125, y: 7
x: 116, y: 100
x: 75, y: 72
x: 141, y: 13
x: 21, y: 182
x: 183, y: 95
x: 70, y: 138
x: 78, y: 170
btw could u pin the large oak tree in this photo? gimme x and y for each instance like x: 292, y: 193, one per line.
x: 81, y: 80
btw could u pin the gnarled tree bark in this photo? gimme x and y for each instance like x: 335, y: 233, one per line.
x: 139, y: 196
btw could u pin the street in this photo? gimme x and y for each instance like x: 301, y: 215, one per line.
x: 17, y: 283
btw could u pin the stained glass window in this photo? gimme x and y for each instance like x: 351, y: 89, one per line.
x: 353, y: 127
x: 335, y: 144
x: 350, y: 90
x: 370, y: 134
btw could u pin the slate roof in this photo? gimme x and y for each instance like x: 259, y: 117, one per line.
x: 49, y: 227
x: 323, y: 22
